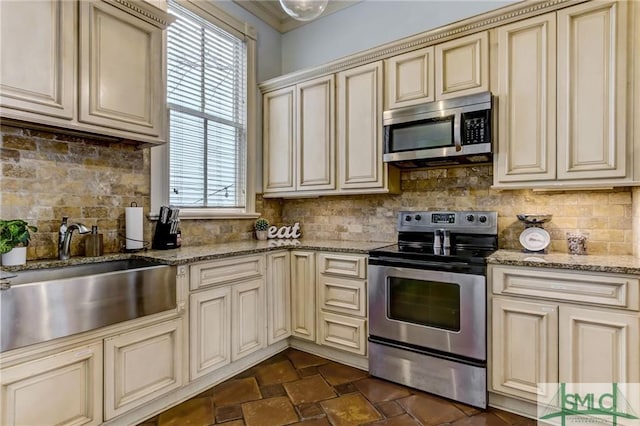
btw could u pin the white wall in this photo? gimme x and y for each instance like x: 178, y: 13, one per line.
x: 371, y: 23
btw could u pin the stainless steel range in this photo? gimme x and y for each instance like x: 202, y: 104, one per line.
x: 427, y: 304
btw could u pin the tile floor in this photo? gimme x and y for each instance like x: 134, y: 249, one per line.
x: 297, y: 388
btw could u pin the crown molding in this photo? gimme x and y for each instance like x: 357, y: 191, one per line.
x: 145, y: 11
x: 482, y: 22
x: 270, y: 12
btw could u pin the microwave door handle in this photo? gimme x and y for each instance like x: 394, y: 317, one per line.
x: 457, y: 131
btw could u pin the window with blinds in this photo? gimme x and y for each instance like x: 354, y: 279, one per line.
x: 206, y: 96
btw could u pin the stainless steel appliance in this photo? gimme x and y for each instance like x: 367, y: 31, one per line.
x: 427, y: 304
x: 448, y: 132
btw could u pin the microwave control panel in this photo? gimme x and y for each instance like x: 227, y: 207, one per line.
x: 476, y: 127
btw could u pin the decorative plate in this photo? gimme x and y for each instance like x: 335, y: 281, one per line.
x: 535, y: 239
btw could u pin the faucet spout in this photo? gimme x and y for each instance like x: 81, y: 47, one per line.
x: 65, y: 244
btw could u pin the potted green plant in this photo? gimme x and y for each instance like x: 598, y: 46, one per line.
x: 262, y: 227
x: 14, y: 239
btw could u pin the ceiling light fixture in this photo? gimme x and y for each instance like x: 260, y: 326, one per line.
x: 304, y: 10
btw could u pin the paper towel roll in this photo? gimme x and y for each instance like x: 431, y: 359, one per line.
x: 133, y: 224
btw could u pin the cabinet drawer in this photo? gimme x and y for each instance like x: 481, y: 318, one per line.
x: 594, y: 289
x: 343, y: 332
x: 342, y: 295
x: 343, y: 265
x: 226, y: 270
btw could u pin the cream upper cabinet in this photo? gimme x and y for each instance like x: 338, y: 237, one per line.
x: 61, y: 389
x: 303, y: 295
x: 526, y: 96
x: 561, y: 83
x: 592, y: 90
x: 299, y: 137
x: 409, y: 79
x: 142, y: 365
x: 37, y: 59
x: 462, y: 66
x: 360, y: 128
x: 278, y: 296
x: 90, y: 66
x: 120, y: 70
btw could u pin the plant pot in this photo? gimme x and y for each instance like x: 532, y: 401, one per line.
x: 262, y: 235
x: 17, y: 256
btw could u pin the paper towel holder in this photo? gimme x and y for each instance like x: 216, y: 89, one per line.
x: 143, y: 244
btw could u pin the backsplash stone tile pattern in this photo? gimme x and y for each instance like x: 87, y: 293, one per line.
x: 47, y: 175
x: 605, y: 215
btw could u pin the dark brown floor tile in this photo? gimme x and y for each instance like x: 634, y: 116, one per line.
x: 308, y: 371
x: 301, y: 359
x: 227, y: 413
x: 269, y: 412
x: 314, y: 422
x: 403, y: 420
x: 337, y: 374
x: 350, y: 410
x: 390, y: 408
x: 467, y: 409
x: 377, y: 390
x: 509, y: 418
x: 481, y: 419
x: 310, y: 389
x: 430, y: 410
x: 270, y: 391
x: 310, y: 410
x: 251, y: 372
x: 279, y: 357
x: 234, y: 423
x: 151, y: 422
x: 279, y: 372
x: 235, y: 392
x: 194, y: 412
x: 345, y: 388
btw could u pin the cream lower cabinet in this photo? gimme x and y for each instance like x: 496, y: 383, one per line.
x: 228, y: 318
x: 303, y: 294
x: 278, y: 296
x: 551, y: 326
x: 342, y: 310
x: 142, y: 365
x: 61, y: 389
x: 562, y: 88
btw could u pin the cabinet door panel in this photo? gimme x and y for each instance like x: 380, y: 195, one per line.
x: 316, y: 134
x: 120, y: 70
x: 592, y: 90
x: 599, y: 346
x: 343, y: 332
x: 278, y: 136
x: 210, y: 330
x: 303, y: 295
x: 410, y: 79
x: 37, y: 63
x: 142, y: 365
x: 248, y: 325
x: 462, y: 66
x: 278, y: 296
x: 62, y: 389
x: 524, y: 347
x: 360, y: 127
x: 527, y: 98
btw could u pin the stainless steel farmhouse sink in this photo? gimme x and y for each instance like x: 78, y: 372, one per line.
x: 45, y: 304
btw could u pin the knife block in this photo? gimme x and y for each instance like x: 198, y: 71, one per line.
x: 163, y: 239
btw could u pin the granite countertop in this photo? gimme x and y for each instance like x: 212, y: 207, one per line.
x: 185, y: 255
x: 618, y: 264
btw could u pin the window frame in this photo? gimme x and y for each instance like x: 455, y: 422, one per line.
x: 159, y: 155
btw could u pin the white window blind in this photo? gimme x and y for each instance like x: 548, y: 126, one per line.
x: 206, y: 96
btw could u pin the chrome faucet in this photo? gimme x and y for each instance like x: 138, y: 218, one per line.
x: 65, y: 239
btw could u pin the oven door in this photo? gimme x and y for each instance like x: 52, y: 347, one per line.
x: 438, y: 311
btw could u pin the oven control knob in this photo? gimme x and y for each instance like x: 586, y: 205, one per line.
x: 418, y: 217
x: 482, y: 219
x: 407, y: 218
x: 470, y: 218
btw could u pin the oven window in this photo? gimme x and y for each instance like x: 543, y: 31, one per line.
x: 429, y: 303
x: 427, y: 134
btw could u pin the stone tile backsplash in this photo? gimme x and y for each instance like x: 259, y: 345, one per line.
x: 46, y: 176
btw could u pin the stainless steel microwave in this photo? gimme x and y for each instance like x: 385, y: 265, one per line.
x: 449, y: 132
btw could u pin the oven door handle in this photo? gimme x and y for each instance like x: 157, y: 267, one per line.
x: 420, y: 263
